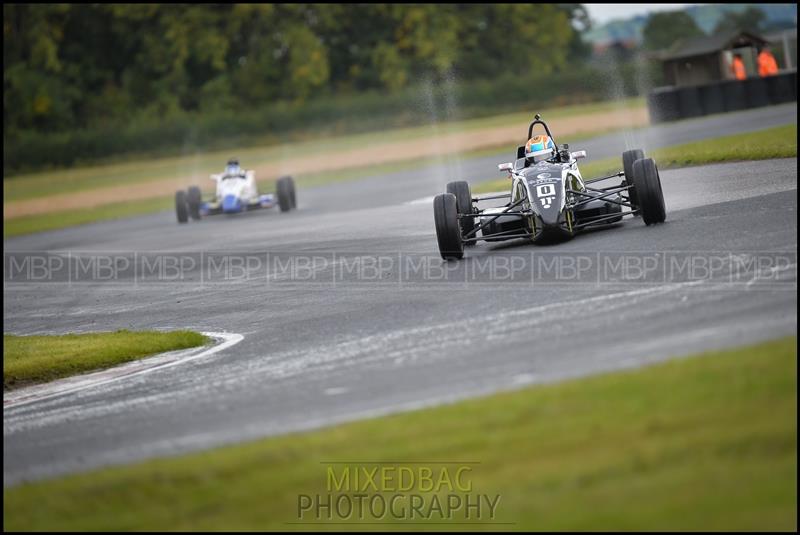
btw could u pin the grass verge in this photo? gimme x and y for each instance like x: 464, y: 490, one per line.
x: 40, y: 358
x: 20, y: 226
x: 778, y: 142
x: 136, y: 170
x: 707, y: 443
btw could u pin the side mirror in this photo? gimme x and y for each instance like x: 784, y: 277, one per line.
x: 578, y: 154
x: 506, y: 166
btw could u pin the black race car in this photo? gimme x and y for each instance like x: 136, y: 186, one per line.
x: 549, y: 199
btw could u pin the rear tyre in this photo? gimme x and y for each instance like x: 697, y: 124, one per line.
x: 193, y: 199
x: 181, y: 207
x: 628, y: 157
x: 285, y: 193
x: 464, y: 204
x: 448, y: 231
x: 648, y: 187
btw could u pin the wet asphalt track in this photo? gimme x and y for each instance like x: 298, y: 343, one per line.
x: 347, y: 311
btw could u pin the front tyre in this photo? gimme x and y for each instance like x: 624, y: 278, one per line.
x: 193, y: 200
x: 464, y: 204
x: 181, y: 206
x: 628, y: 157
x: 448, y: 231
x: 648, y: 187
x: 286, y: 194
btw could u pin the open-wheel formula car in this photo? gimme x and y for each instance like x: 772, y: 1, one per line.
x: 549, y: 199
x: 236, y: 192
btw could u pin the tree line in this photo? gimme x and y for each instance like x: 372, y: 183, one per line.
x: 80, y: 66
x: 668, y: 27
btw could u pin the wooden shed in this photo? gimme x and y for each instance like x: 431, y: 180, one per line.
x: 707, y: 59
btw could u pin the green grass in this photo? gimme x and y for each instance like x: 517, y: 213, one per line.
x: 40, y: 358
x: 778, y: 142
x: 29, y: 186
x: 705, y: 443
x: 19, y: 226
x: 67, y: 218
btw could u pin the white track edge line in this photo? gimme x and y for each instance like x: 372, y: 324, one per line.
x: 229, y: 339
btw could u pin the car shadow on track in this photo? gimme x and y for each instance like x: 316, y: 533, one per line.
x: 554, y: 241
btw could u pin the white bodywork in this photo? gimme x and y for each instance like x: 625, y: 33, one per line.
x: 243, y: 187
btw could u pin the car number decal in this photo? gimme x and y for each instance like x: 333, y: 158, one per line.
x: 546, y: 194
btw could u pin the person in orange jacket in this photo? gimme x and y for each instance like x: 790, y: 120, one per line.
x: 739, y: 72
x: 767, y: 66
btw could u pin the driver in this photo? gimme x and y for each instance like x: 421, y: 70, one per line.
x: 232, y: 169
x: 538, y: 143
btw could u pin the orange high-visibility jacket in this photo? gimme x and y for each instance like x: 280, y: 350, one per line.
x: 767, y: 66
x: 739, y: 71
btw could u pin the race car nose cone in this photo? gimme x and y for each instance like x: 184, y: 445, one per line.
x: 550, y: 218
x: 230, y: 203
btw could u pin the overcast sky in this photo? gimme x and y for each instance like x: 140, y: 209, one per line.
x: 602, y: 13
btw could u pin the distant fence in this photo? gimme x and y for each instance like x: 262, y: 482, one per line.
x: 673, y: 103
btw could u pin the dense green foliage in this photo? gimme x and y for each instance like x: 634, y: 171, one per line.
x: 751, y: 19
x: 82, y: 65
x: 427, y: 102
x: 664, y: 29
x: 86, y: 81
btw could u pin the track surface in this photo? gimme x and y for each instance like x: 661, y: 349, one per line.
x: 346, y: 344
x: 407, y: 185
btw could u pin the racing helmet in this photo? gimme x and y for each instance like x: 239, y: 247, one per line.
x: 232, y: 167
x: 538, y: 143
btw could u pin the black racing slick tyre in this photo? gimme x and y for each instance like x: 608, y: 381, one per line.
x: 448, y: 232
x: 292, y: 193
x: 648, y: 188
x: 628, y: 157
x: 181, y: 207
x: 193, y: 200
x: 285, y: 192
x: 464, y: 204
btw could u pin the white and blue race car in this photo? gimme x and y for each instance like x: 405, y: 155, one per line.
x: 236, y: 191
